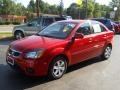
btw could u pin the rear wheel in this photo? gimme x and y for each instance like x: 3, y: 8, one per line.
x: 18, y: 35
x: 107, y: 52
x: 57, y: 68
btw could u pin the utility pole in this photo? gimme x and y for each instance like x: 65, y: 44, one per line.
x: 94, y: 8
x: 38, y: 8
x: 86, y: 8
x: 61, y: 7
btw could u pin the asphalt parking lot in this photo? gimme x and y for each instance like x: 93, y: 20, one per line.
x: 94, y: 74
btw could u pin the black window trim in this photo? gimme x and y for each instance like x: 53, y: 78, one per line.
x: 88, y: 22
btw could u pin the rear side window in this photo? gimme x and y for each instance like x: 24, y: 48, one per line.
x: 47, y: 21
x: 96, y: 28
x: 84, y: 29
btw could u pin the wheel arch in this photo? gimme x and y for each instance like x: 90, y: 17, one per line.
x: 62, y: 55
x: 19, y: 30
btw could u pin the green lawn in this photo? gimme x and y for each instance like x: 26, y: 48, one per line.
x: 5, y: 35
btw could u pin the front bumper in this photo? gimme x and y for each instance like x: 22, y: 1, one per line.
x: 28, y: 67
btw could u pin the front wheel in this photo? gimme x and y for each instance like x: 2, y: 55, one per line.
x: 57, y: 68
x: 18, y: 35
x: 107, y: 52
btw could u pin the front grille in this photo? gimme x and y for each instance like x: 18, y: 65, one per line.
x: 13, y: 53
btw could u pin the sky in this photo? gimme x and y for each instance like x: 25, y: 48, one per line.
x: 66, y: 2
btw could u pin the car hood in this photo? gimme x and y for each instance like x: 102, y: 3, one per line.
x: 34, y: 42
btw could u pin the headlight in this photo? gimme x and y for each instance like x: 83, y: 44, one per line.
x: 35, y: 54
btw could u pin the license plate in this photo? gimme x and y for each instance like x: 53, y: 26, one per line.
x: 10, y: 61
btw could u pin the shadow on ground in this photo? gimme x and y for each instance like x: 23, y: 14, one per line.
x: 6, y: 41
x: 10, y: 80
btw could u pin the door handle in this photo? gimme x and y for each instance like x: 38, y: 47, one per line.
x: 105, y: 36
x: 90, y: 39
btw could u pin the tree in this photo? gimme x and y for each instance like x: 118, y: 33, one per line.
x: 20, y: 9
x: 116, y: 3
x: 97, y: 10
x: 9, y: 7
x: 73, y: 10
x: 31, y: 6
x: 61, y: 7
x: 90, y: 8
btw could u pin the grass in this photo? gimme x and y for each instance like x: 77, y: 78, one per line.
x: 5, y: 35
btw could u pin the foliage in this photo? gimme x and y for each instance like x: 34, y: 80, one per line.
x: 16, y: 23
x: 76, y: 10
x: 7, y: 23
x: 1, y: 23
x: 9, y: 7
x: 113, y: 4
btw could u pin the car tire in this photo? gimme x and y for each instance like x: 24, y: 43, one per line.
x: 18, y: 35
x: 57, y: 68
x: 106, y: 53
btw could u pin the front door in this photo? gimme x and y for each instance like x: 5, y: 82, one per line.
x: 33, y: 27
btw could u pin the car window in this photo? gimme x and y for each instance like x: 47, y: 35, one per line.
x: 35, y: 22
x: 84, y: 29
x: 103, y: 29
x: 96, y: 28
x: 47, y: 21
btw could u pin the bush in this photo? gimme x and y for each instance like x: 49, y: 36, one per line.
x: 2, y: 23
x: 7, y: 23
x: 16, y: 23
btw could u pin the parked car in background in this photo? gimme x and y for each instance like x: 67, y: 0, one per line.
x: 68, y: 17
x: 107, y: 22
x: 58, y: 46
x: 35, y: 26
x: 118, y: 25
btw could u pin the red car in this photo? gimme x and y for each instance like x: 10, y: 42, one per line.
x: 58, y: 46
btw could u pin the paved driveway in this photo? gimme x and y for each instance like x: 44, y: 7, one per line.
x: 90, y: 75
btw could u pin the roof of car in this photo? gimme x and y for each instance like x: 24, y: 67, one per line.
x: 76, y: 21
x: 100, y: 19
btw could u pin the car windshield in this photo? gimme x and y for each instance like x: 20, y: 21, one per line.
x: 58, y: 30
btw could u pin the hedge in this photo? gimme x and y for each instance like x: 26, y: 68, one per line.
x: 8, y: 23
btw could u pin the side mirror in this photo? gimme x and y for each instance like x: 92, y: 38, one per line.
x: 29, y: 24
x: 79, y: 35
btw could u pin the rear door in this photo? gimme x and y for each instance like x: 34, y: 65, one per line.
x: 100, y: 37
x: 47, y: 21
x: 83, y: 49
x: 32, y: 27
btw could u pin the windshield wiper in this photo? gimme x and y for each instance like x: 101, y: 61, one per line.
x: 46, y: 36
